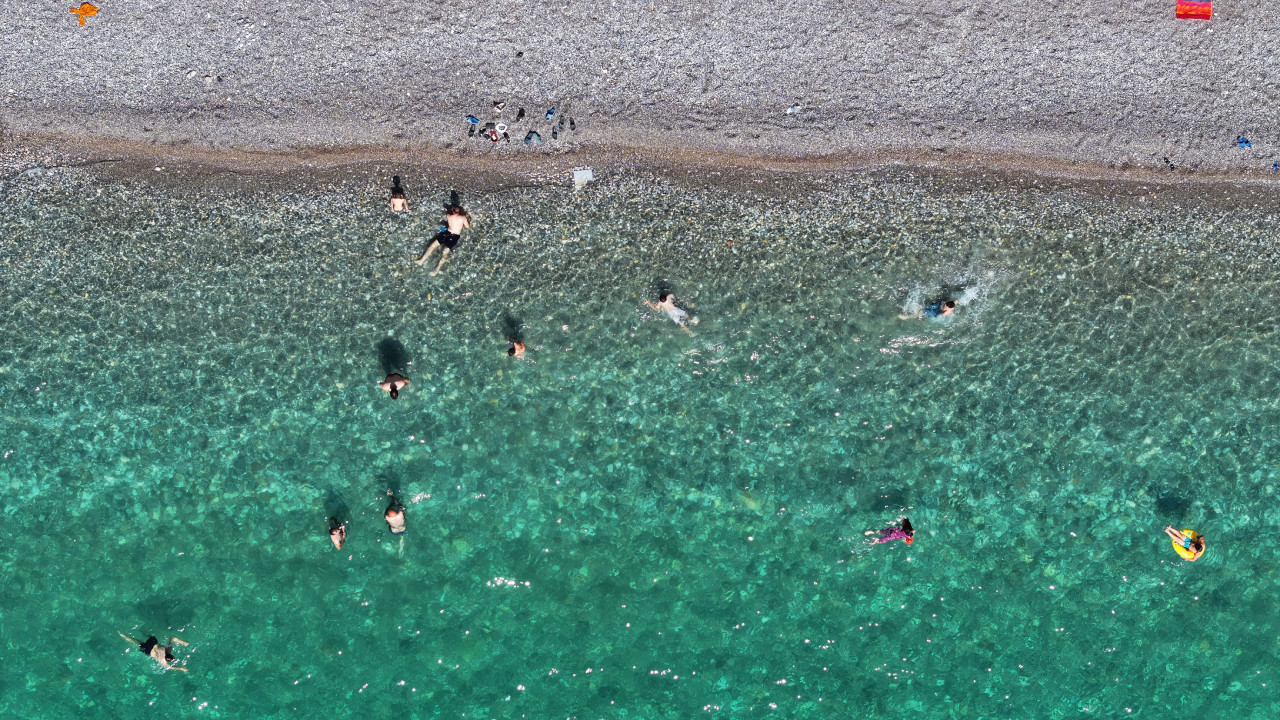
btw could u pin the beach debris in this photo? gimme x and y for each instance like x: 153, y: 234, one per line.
x: 85, y: 10
x: 1192, y: 10
x: 493, y: 135
x: 520, y: 114
x: 473, y: 119
x: 794, y: 109
x: 533, y: 138
x: 1170, y: 164
x: 497, y: 107
x: 572, y: 125
x: 551, y: 113
x: 1275, y: 166
x: 1243, y: 142
x: 581, y: 177
x: 555, y: 133
x: 500, y: 127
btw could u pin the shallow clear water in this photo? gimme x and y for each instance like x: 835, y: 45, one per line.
x: 634, y: 522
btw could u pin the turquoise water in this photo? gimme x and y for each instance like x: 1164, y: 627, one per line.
x: 631, y: 521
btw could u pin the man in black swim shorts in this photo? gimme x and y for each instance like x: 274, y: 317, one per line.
x: 457, y: 220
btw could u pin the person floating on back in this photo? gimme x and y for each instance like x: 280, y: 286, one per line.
x: 457, y: 219
x: 162, y: 654
x: 667, y: 304
x: 398, y: 201
x: 395, y: 515
x: 1188, y: 543
x: 393, y: 384
x: 895, y: 532
x: 337, y: 532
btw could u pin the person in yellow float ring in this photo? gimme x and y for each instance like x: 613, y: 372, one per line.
x: 1188, y: 543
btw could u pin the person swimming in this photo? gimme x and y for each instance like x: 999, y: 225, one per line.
x: 337, y: 532
x: 896, y: 532
x: 667, y: 304
x: 393, y: 384
x: 517, y: 349
x: 395, y: 515
x: 939, y: 308
x: 162, y: 654
x: 1193, y: 545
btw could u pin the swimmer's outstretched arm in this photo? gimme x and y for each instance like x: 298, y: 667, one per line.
x: 130, y: 640
x: 179, y: 641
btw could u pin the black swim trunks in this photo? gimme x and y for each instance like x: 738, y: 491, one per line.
x: 148, y: 645
x: 447, y: 240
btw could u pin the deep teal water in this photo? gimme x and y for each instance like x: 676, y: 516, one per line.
x: 633, y: 522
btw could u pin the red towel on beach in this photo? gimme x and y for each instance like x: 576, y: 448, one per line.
x: 1190, y: 10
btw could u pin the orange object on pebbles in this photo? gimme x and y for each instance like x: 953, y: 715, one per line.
x: 85, y: 10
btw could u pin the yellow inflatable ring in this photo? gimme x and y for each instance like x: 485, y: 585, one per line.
x: 1186, y: 553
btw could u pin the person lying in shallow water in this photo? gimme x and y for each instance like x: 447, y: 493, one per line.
x: 667, y: 304
x: 162, y: 654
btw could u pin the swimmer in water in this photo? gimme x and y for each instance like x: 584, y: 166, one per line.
x: 897, y: 532
x: 456, y: 220
x: 667, y: 304
x: 337, y: 532
x: 162, y: 654
x: 1196, y: 545
x: 934, y: 310
x: 517, y: 349
x: 393, y: 384
x: 398, y: 201
x: 395, y: 515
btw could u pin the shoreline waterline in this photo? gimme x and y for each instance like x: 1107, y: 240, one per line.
x: 770, y: 174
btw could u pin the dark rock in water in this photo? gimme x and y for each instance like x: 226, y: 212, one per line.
x: 533, y: 138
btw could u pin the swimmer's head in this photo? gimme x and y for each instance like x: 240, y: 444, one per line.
x: 395, y: 393
x: 511, y: 351
x: 663, y: 297
x: 397, y: 195
x: 950, y: 304
x: 1198, y: 544
x: 906, y: 528
x: 456, y: 210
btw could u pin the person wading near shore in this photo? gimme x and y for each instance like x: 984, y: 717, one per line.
x: 398, y: 201
x: 457, y: 219
x: 162, y: 654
